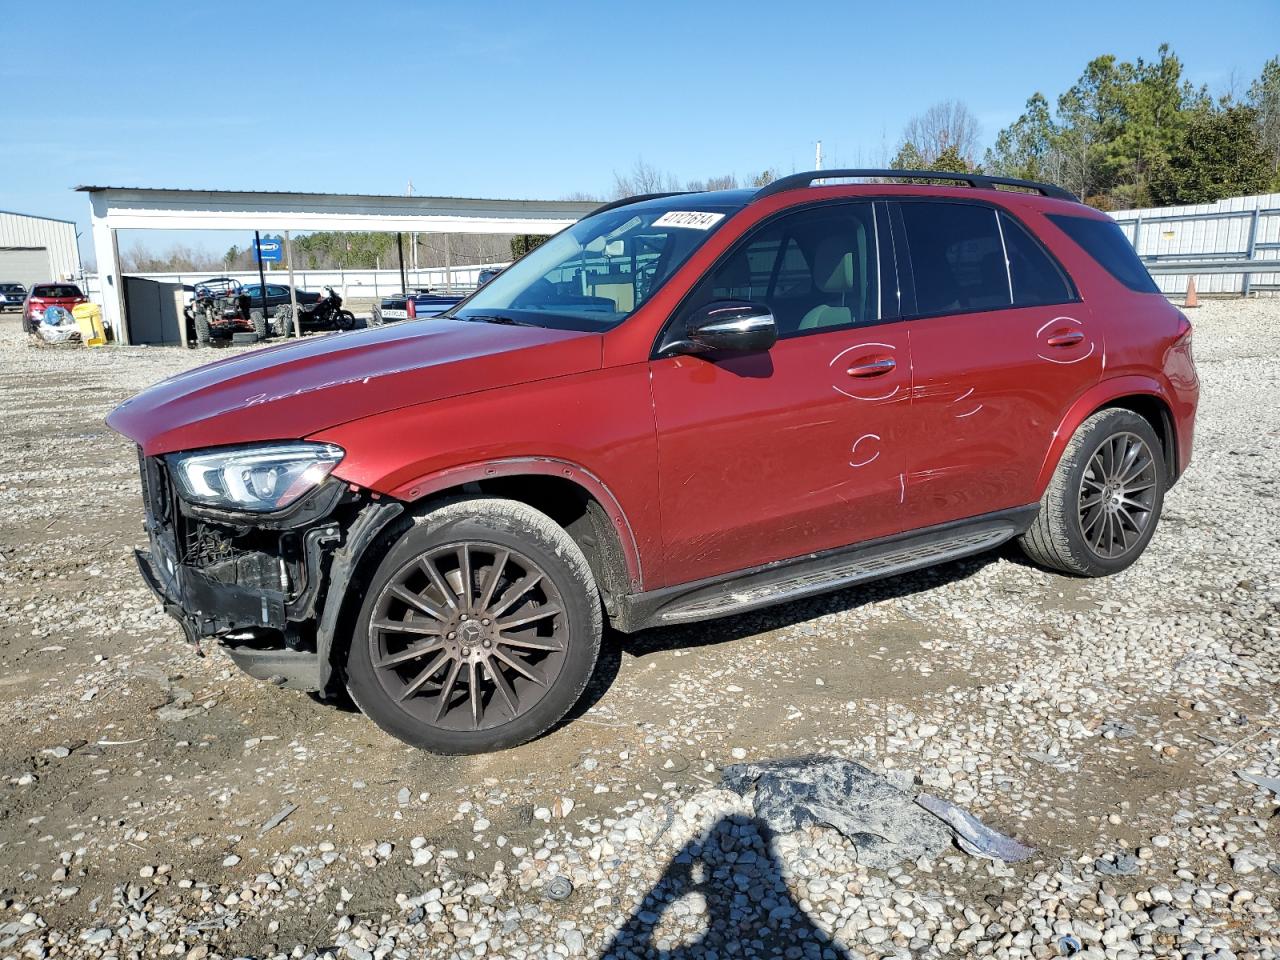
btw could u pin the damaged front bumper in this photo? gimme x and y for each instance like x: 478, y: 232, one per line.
x: 260, y: 584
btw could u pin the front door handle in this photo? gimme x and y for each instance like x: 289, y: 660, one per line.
x: 1069, y: 339
x: 873, y: 368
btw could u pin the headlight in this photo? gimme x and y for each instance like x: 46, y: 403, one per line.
x: 259, y: 479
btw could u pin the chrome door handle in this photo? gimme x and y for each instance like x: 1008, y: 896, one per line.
x: 874, y: 368
x: 1065, y: 339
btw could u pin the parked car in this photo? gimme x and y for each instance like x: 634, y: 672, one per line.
x: 416, y: 304
x: 278, y: 296
x: 45, y: 295
x: 679, y: 408
x: 12, y: 296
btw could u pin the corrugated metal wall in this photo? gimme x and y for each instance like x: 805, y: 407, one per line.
x: 57, y: 236
x: 1239, y: 228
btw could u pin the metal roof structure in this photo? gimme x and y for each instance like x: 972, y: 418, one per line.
x: 162, y: 208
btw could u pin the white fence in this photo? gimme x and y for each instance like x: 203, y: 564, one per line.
x: 1240, y: 228
x: 357, y: 284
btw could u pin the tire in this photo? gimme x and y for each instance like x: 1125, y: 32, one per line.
x: 244, y: 338
x: 260, y: 328
x: 202, y: 327
x: 282, y: 322
x: 557, y: 642
x: 344, y: 320
x: 1073, y: 533
x: 375, y: 316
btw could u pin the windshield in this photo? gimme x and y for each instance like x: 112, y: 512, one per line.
x: 596, y: 273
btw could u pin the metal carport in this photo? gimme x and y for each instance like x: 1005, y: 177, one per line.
x: 149, y: 208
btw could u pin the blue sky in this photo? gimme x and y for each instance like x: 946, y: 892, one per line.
x: 536, y: 99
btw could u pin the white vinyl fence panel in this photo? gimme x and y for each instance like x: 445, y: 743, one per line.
x: 1239, y: 228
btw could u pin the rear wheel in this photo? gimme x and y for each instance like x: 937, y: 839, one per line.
x: 282, y: 322
x: 479, y: 629
x: 259, y: 321
x: 1102, y: 505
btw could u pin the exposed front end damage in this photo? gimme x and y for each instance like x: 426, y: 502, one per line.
x: 259, y: 584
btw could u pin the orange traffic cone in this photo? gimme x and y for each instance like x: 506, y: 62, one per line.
x: 1192, y: 300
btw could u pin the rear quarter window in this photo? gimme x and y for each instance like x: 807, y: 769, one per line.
x: 1106, y: 243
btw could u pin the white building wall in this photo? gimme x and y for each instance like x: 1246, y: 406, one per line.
x: 1238, y: 228
x: 57, y: 236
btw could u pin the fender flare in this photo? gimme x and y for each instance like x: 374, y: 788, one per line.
x: 1093, y: 399
x: 424, y: 486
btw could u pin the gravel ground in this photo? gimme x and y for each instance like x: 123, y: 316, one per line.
x: 1100, y: 722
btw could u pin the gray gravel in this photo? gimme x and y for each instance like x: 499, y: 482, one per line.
x: 1100, y: 722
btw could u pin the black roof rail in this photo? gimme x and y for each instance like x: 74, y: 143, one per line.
x: 638, y: 198
x: 798, y: 180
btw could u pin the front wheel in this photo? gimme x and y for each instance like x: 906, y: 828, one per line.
x: 479, y: 629
x: 344, y: 320
x: 1102, y: 505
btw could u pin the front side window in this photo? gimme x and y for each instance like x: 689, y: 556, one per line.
x: 957, y: 257
x: 815, y: 269
x: 599, y: 271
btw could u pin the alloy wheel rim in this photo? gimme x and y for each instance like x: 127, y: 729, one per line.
x: 1117, y: 495
x: 468, y: 636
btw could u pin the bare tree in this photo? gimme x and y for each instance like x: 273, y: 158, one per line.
x: 643, y: 178
x: 947, y: 125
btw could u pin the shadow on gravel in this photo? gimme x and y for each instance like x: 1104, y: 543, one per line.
x: 722, y: 895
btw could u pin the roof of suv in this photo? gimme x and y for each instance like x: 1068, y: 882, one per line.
x: 737, y: 199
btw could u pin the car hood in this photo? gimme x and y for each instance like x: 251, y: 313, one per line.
x: 294, y: 390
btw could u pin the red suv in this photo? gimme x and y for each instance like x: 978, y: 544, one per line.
x: 681, y: 407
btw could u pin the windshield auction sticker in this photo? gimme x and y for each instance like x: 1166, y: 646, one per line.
x: 691, y: 219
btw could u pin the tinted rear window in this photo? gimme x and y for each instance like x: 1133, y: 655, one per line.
x: 957, y: 257
x: 11, y: 288
x: 56, y: 290
x: 1106, y: 243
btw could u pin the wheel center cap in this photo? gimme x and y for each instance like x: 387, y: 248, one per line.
x: 470, y: 632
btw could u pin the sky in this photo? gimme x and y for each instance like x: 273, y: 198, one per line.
x: 536, y: 100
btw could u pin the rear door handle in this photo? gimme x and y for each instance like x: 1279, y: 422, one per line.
x: 1069, y: 339
x: 873, y: 368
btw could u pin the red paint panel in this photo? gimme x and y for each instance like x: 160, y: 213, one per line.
x: 775, y: 455
x: 289, y: 391
x: 990, y: 393
x: 598, y: 424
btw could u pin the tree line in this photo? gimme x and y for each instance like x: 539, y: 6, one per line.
x: 1139, y: 134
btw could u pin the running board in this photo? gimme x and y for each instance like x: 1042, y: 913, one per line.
x: 819, y: 573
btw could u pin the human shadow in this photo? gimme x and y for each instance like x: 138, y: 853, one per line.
x: 722, y: 895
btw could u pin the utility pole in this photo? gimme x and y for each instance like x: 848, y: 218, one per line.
x: 413, y: 237
x: 817, y: 156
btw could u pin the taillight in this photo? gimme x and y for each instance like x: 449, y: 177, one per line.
x: 410, y: 308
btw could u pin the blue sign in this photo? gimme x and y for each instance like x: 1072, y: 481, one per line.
x: 270, y: 250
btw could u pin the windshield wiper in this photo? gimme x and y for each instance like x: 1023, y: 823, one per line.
x: 495, y: 318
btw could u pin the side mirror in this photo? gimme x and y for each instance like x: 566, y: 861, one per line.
x: 728, y: 326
